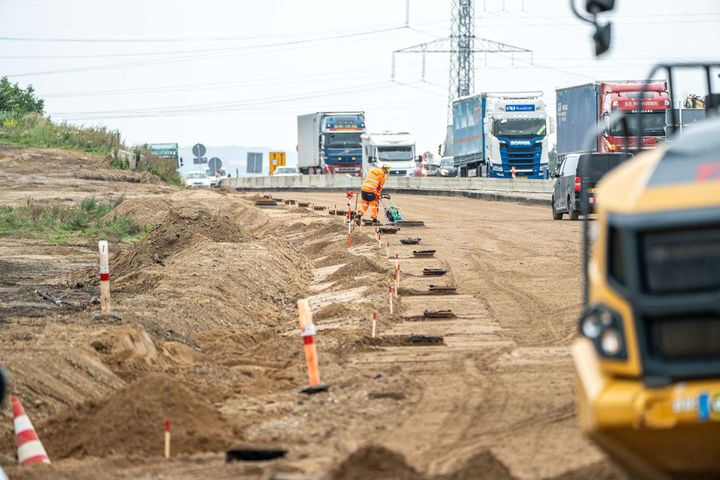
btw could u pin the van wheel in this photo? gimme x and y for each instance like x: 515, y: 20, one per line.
x: 556, y: 215
x: 572, y: 213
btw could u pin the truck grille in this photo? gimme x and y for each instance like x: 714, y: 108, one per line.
x: 679, y: 261
x: 695, y: 337
x: 521, y: 158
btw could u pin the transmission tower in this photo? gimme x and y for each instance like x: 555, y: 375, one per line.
x: 462, y: 45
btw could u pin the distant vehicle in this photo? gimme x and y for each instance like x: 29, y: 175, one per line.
x: 446, y: 168
x: 286, y: 172
x: 330, y: 142
x: 582, y: 108
x: 167, y: 151
x: 197, y: 180
x: 500, y: 135
x: 569, y: 186
x: 394, y: 148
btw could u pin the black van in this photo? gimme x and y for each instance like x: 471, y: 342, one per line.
x: 568, y: 185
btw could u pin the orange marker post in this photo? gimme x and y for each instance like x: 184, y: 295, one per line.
x: 167, y: 438
x: 373, y: 321
x: 311, y: 358
x: 390, y: 294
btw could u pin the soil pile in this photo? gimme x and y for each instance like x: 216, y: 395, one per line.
x: 602, y: 470
x: 376, y: 462
x: 180, y: 229
x: 483, y: 465
x: 131, y: 422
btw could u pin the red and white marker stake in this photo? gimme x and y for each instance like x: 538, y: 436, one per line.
x: 390, y: 294
x: 167, y: 438
x: 379, y: 239
x: 104, y: 277
x: 512, y: 171
x: 387, y: 249
x: 373, y: 321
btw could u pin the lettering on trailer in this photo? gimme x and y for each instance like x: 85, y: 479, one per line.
x: 520, y: 107
x: 643, y: 103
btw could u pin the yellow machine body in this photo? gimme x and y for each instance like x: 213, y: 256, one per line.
x: 668, y: 429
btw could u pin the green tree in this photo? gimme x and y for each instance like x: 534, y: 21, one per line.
x: 14, y: 99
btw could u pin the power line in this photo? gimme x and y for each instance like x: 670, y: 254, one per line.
x: 230, y: 51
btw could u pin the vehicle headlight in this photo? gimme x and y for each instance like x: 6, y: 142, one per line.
x: 497, y: 168
x: 604, y: 328
x: 611, y: 342
x: 502, y: 143
x: 538, y: 142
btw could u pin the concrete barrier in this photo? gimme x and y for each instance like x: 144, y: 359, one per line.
x: 345, y: 182
x: 528, y: 192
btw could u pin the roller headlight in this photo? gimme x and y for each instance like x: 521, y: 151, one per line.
x: 604, y: 328
x: 611, y: 342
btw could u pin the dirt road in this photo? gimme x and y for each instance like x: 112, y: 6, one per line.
x: 209, y: 338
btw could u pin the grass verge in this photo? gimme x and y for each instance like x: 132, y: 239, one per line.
x: 34, y: 130
x: 88, y: 219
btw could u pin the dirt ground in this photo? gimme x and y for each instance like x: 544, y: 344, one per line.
x: 209, y: 337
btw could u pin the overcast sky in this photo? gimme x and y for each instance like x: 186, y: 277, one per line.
x: 237, y: 72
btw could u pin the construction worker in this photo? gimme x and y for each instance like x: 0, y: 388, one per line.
x: 371, y: 192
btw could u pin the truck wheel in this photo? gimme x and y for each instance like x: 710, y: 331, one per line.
x: 572, y: 213
x: 556, y: 215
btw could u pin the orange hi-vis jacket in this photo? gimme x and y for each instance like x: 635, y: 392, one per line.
x: 374, y: 180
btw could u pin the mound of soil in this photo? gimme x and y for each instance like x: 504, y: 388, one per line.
x: 602, y: 470
x: 356, y: 265
x: 483, y: 465
x: 180, y: 229
x: 377, y: 463
x: 127, y: 350
x: 144, y: 210
x: 131, y: 422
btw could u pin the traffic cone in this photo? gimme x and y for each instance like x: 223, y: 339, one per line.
x: 30, y: 449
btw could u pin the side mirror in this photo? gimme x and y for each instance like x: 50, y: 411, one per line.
x: 599, y: 6
x: 602, y: 38
x: 371, y: 160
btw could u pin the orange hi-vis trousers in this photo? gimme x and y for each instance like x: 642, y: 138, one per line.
x: 371, y: 200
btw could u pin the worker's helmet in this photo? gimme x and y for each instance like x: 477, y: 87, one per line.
x: 386, y: 167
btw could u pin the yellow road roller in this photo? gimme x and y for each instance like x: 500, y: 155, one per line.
x: 647, y: 361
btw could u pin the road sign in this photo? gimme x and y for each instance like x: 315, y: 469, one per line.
x: 214, y: 164
x: 201, y: 160
x: 254, y: 162
x: 199, y: 150
x: 277, y: 159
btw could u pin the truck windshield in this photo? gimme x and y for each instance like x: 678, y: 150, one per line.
x: 653, y: 124
x: 342, y: 140
x: 518, y: 126
x: 392, y: 154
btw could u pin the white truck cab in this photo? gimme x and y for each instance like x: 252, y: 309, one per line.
x: 394, y: 148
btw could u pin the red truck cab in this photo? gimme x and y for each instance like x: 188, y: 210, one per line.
x: 636, y: 100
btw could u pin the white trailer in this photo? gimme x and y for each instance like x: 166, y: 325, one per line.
x: 394, y: 148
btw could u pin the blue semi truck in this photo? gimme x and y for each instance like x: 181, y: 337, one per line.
x: 501, y: 135
x: 330, y: 142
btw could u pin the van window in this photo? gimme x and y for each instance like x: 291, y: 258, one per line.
x: 570, y: 166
